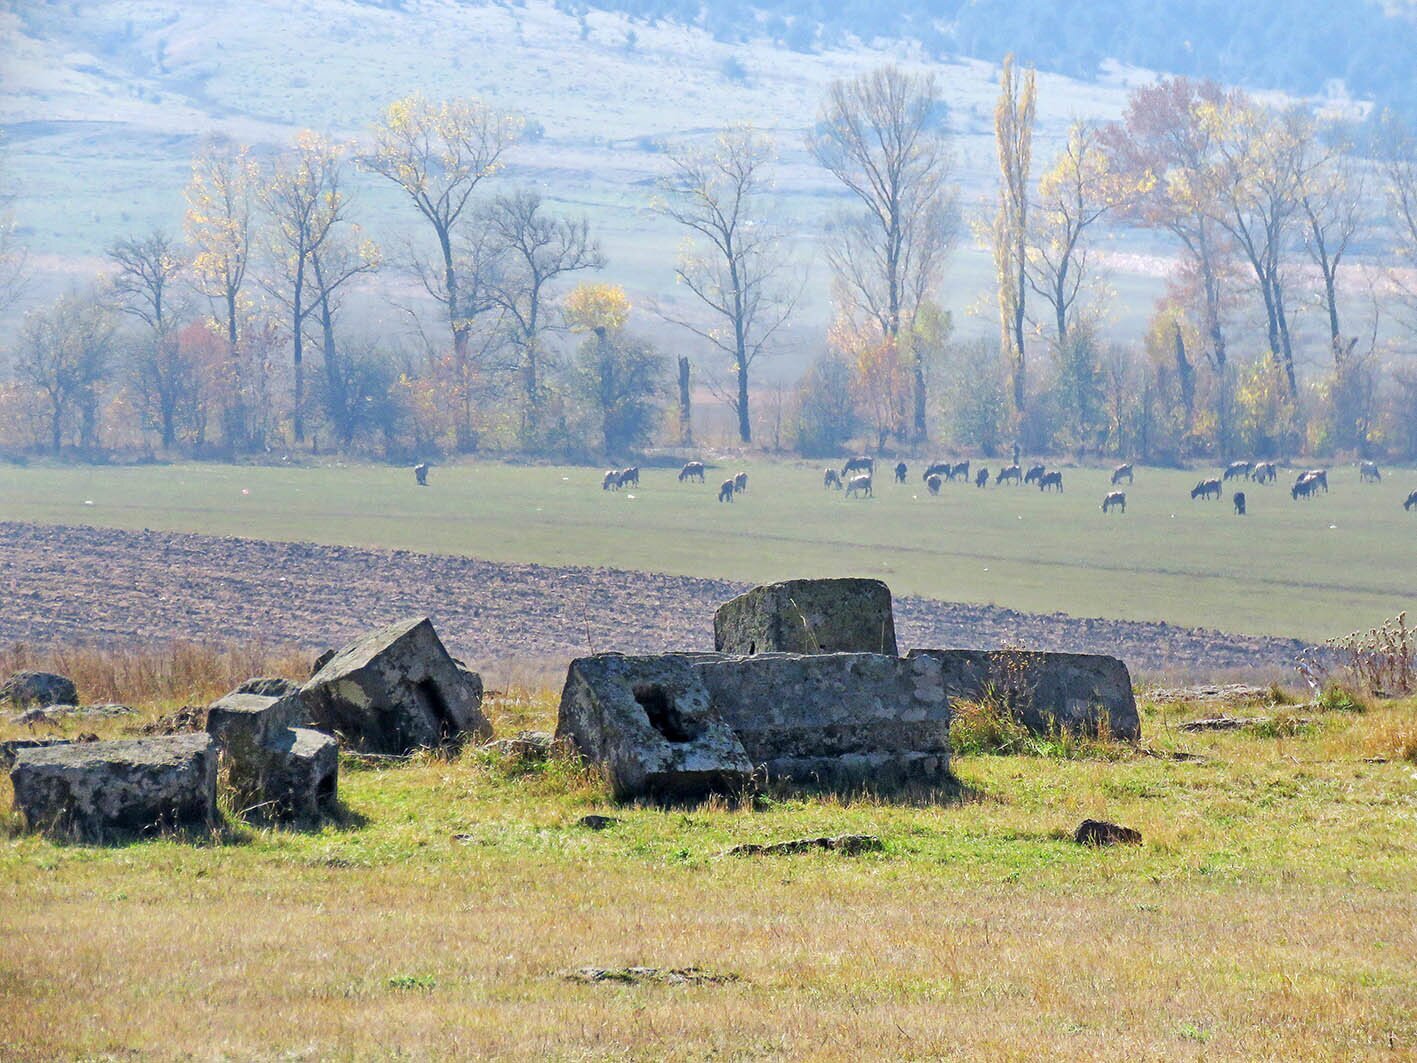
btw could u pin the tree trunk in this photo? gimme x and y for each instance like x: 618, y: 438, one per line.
x: 919, y: 373
x: 686, y: 425
x: 745, y: 429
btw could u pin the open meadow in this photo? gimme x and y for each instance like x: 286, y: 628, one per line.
x: 1309, y: 569
x: 1267, y: 914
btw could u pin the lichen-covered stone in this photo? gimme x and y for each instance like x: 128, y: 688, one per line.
x: 268, y: 687
x: 649, y: 722
x: 839, y: 721
x: 301, y: 777
x: 1082, y: 693
x: 276, y: 770
x: 97, y: 790
x: 396, y: 690
x: 39, y: 688
x: 808, y: 616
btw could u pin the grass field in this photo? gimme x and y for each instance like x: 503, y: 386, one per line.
x: 1268, y: 914
x: 1309, y: 569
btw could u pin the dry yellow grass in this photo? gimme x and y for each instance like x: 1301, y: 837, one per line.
x: 1268, y: 915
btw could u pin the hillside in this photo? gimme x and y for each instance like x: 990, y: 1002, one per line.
x: 104, y: 105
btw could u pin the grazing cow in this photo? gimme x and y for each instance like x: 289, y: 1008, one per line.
x: 611, y: 480
x: 1115, y: 498
x: 740, y: 483
x: 858, y: 485
x: 1368, y: 472
x: 1034, y: 474
x: 860, y: 463
x: 1303, y: 488
x: 1411, y: 501
x: 1205, y: 489
x: 1238, y: 468
x: 420, y: 474
x: 1264, y: 472
x: 981, y: 478
x: 900, y: 471
x: 630, y: 476
x: 960, y: 471
x: 1239, y: 499
x: 938, y: 468
x: 1122, y: 472
x: 692, y: 470
x: 831, y: 479
x: 725, y: 491
x: 1009, y: 472
x: 1319, y: 477
x: 1051, y: 479
x: 933, y: 485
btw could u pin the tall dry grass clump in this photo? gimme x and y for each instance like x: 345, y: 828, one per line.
x: 186, y: 672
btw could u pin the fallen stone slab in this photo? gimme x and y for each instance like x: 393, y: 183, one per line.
x: 268, y: 686
x: 277, y: 770
x: 638, y: 975
x: 1100, y: 832
x: 808, y: 616
x: 11, y: 749
x: 39, y: 688
x: 397, y: 690
x: 650, y: 723
x: 842, y: 721
x: 1082, y: 693
x: 1228, y: 693
x: 846, y: 844
x: 97, y: 790
x: 1220, y: 723
x: 525, y: 745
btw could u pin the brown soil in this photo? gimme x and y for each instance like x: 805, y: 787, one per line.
x: 104, y: 586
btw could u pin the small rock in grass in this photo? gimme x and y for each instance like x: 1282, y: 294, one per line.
x: 526, y: 745
x: 1100, y: 832
x: 596, y: 822
x: 846, y: 844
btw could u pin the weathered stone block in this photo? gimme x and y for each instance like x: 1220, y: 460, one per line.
x: 648, y: 720
x: 840, y: 721
x: 275, y: 768
x: 808, y: 616
x: 39, y: 688
x: 1074, y: 692
x: 93, y: 790
x: 396, y: 690
x: 268, y: 686
x: 300, y: 780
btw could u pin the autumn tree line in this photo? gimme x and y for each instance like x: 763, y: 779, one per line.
x: 1273, y: 337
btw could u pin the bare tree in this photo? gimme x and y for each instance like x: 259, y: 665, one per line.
x: 148, y: 270
x: 879, y: 135
x: 438, y: 153
x: 337, y: 261
x: 305, y: 198
x: 1013, y: 140
x: 1331, y: 197
x: 734, y: 263
x: 532, y: 250
x: 65, y: 355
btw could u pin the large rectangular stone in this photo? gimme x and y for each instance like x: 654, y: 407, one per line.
x: 95, y: 790
x: 1073, y: 692
x: 649, y: 722
x: 840, y: 721
x: 808, y: 616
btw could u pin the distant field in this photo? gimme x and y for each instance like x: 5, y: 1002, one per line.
x: 1310, y: 570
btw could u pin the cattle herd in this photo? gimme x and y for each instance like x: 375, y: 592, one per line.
x: 856, y: 476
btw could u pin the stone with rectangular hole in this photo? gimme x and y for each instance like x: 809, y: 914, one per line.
x: 808, y: 616
x: 101, y: 790
x: 397, y: 690
x: 841, y: 721
x: 649, y: 722
x: 1081, y: 693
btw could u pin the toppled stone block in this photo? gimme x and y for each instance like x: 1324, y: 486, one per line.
x: 11, y: 749
x: 93, y: 790
x: 39, y: 688
x: 397, y: 690
x: 277, y: 769
x: 1082, y: 693
x: 839, y: 721
x: 649, y: 721
x: 808, y: 616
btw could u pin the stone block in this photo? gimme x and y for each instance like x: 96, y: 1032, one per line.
x: 397, y: 690
x: 1073, y: 692
x: 808, y: 616
x: 97, y: 790
x: 649, y: 721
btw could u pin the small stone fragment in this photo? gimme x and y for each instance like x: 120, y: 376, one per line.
x: 1100, y: 832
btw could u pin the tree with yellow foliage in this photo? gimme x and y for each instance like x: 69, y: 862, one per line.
x: 1013, y: 141
x: 619, y: 378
